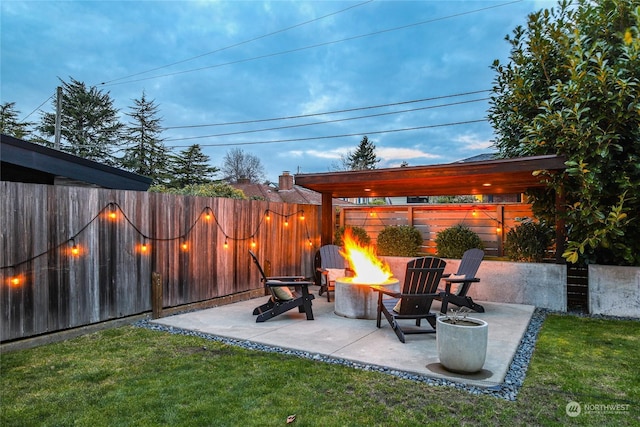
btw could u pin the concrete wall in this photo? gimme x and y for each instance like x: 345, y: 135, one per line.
x: 541, y: 285
x: 614, y: 291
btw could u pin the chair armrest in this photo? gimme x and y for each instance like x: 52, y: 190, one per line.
x: 277, y: 283
x: 386, y: 291
x: 474, y: 279
x: 286, y: 278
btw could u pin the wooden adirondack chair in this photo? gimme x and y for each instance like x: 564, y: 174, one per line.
x: 282, y: 298
x: 327, y: 262
x: 419, y: 290
x: 462, y: 279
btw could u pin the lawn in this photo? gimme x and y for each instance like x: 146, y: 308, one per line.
x: 133, y: 376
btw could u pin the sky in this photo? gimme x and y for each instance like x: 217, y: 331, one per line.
x: 296, y: 83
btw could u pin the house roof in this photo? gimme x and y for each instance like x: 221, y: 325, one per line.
x: 24, y: 161
x: 500, y: 176
x: 297, y: 194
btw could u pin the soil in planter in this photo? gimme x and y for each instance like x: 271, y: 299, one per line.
x: 461, y: 322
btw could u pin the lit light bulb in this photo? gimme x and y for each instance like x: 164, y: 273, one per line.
x: 15, y: 280
x: 253, y: 243
x: 286, y: 222
x: 226, y: 244
x: 184, y: 246
x: 75, y: 250
x: 144, y: 247
x: 207, y: 216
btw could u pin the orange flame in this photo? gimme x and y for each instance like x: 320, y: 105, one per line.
x: 363, y: 261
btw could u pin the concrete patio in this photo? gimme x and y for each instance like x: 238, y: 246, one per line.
x: 360, y: 340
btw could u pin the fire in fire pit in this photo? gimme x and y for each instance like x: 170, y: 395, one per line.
x: 353, y: 296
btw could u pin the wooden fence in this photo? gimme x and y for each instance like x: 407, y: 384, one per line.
x: 490, y: 221
x: 73, y: 256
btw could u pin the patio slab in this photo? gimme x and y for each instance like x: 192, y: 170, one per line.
x: 359, y: 340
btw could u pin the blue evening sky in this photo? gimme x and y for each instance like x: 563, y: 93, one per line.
x: 418, y: 71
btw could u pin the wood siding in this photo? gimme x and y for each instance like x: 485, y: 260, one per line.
x: 484, y: 219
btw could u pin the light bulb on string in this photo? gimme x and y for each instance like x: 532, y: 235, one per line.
x: 112, y: 212
x: 75, y: 251
x: 184, y: 245
x: 286, y: 222
x: 302, y: 216
x: 253, y: 243
x: 226, y: 243
x: 144, y: 247
x: 267, y: 215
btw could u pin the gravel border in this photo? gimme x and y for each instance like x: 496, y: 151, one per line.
x: 508, y: 390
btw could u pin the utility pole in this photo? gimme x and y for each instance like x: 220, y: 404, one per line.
x: 56, y: 143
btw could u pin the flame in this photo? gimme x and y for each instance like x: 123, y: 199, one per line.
x: 363, y: 261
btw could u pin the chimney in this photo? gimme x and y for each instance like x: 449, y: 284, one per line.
x: 285, y: 181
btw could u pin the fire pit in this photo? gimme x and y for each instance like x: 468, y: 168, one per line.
x: 357, y: 300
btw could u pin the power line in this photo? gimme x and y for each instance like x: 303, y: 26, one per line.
x: 238, y: 44
x: 36, y: 109
x: 269, y: 55
x: 348, y: 110
x: 336, y: 136
x: 325, y: 122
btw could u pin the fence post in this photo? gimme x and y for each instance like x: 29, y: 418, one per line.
x: 156, y: 295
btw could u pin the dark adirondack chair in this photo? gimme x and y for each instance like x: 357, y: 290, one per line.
x: 419, y: 290
x: 282, y: 298
x: 462, y: 279
x: 328, y: 260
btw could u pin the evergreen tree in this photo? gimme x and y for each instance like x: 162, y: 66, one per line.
x: 9, y: 123
x: 89, y: 125
x: 364, y: 158
x: 572, y: 87
x: 239, y: 165
x: 146, y: 154
x: 191, y: 167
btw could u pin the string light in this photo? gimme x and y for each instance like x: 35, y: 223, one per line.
x: 74, y: 248
x: 111, y: 212
x: 15, y: 281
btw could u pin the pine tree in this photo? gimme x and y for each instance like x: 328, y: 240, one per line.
x: 146, y: 154
x: 9, y: 123
x: 191, y: 167
x: 89, y: 125
x: 364, y: 158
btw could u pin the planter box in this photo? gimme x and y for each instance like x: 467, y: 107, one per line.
x: 614, y: 290
x: 538, y: 284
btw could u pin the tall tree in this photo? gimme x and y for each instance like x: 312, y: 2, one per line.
x: 239, y: 165
x: 145, y: 154
x: 191, y: 167
x: 9, y: 122
x: 572, y: 87
x: 89, y: 125
x: 364, y: 157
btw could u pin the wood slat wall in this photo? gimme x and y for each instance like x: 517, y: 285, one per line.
x: 111, y: 277
x: 484, y: 219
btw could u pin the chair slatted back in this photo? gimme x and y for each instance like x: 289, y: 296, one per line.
x: 422, y: 277
x: 328, y: 256
x: 470, y: 263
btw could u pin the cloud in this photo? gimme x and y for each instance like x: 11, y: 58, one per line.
x: 473, y: 142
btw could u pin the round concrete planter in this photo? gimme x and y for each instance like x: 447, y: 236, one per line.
x: 462, y: 347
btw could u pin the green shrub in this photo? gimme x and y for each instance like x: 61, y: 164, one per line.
x: 403, y: 240
x: 528, y: 241
x: 358, y: 233
x: 454, y: 241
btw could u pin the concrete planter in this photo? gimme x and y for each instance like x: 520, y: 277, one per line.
x: 462, y: 347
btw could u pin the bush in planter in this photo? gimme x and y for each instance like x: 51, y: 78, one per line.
x: 403, y: 240
x: 454, y: 241
x: 358, y: 233
x: 528, y: 241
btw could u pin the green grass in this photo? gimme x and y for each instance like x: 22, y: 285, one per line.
x: 137, y: 377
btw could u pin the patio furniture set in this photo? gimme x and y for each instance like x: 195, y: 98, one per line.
x: 413, y: 301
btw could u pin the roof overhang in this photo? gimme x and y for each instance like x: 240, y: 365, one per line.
x: 35, y: 157
x: 502, y: 176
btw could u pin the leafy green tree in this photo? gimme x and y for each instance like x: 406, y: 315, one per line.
x: 145, y: 154
x: 211, y: 189
x: 239, y: 165
x: 572, y: 87
x: 191, y: 167
x: 9, y: 122
x: 89, y: 124
x: 364, y: 157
